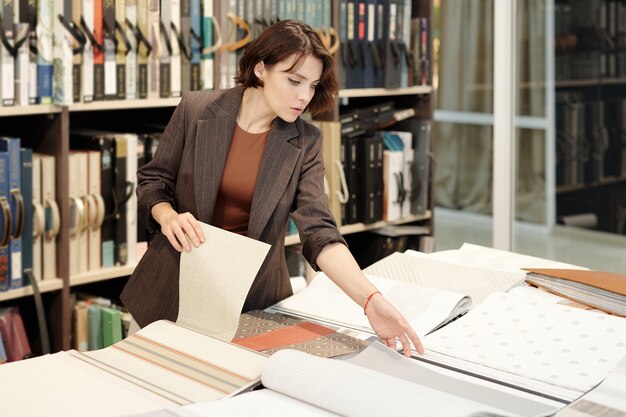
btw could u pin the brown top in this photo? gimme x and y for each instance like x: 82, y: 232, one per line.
x: 234, y: 198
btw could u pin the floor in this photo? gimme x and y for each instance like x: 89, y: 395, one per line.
x: 595, y: 250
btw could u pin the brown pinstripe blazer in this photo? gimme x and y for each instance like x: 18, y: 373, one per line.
x: 186, y: 171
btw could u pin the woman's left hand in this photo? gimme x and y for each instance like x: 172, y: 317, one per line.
x: 389, y: 325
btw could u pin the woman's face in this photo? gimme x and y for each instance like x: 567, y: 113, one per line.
x: 288, y: 93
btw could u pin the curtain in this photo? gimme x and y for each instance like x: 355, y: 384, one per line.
x: 463, y: 153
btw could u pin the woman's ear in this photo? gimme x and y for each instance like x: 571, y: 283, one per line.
x: 259, y: 70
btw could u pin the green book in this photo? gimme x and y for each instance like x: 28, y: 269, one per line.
x: 94, y: 317
x: 111, y: 326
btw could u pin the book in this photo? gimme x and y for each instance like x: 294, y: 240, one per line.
x: 377, y: 381
x: 422, y: 269
x: 545, y: 348
x: 425, y: 308
x: 606, y: 399
x: 605, y: 291
x: 14, y: 336
x: 162, y: 365
x: 270, y: 332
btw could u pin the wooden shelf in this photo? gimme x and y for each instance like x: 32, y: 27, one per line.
x: 29, y: 110
x: 93, y: 106
x: 377, y: 92
x: 124, y: 104
x: 44, y: 286
x: 101, y: 275
x: 578, y: 187
x: 589, y: 82
x: 361, y: 227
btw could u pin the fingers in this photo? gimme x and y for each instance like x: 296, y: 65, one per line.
x: 390, y: 342
x: 182, y: 231
x: 406, y: 346
x: 417, y: 343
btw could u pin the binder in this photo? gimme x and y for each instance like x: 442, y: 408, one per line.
x: 28, y: 12
x: 404, y: 34
x: 110, y: 55
x: 165, y: 53
x: 123, y: 46
x: 144, y: 48
x: 98, y: 50
x: 106, y: 145
x: 422, y: 168
x: 78, y: 46
x: 615, y: 157
x: 26, y: 159
x: 154, y: 38
x: 7, y: 60
x: 196, y: 46
x: 131, y: 204
x: 354, y: 58
x: 64, y: 31
x: 78, y: 240
x: 371, y: 158
x: 597, y: 140
x: 16, y: 203
x: 22, y: 54
x: 393, y: 195
x: 52, y: 216
x: 379, y: 44
x: 392, y: 38
x: 87, y: 74
x: 360, y: 44
x: 355, y: 181
x: 44, y: 50
x: 39, y: 218
x: 408, y: 170
x: 122, y: 195
x: 94, y: 207
x: 130, y: 26
x: 209, y: 45
x: 5, y: 223
x: 178, y: 48
x: 184, y: 45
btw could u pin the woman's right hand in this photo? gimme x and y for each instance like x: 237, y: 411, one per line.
x: 181, y: 229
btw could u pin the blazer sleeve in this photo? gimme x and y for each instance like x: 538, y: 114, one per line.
x: 316, y: 224
x: 156, y: 181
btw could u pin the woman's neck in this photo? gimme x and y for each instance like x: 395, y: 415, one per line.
x: 254, y: 114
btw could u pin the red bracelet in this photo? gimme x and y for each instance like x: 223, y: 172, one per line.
x: 368, y: 300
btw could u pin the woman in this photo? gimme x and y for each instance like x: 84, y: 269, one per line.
x: 243, y: 160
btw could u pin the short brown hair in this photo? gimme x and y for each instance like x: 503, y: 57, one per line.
x: 279, y: 42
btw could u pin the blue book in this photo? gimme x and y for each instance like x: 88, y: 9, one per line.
x: 16, y: 202
x: 5, y: 222
x: 26, y: 159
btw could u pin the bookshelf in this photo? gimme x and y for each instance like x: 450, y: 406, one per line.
x: 49, y: 285
x: 101, y: 275
x: 46, y: 129
x: 385, y: 92
x: 590, y: 86
x: 361, y: 227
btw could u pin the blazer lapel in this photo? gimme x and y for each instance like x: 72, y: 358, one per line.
x: 277, y: 165
x: 213, y: 137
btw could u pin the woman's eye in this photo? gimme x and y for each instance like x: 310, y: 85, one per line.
x: 314, y: 86
x: 294, y: 82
